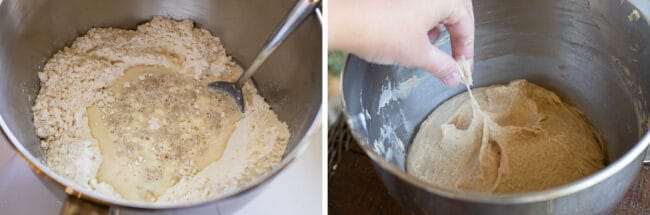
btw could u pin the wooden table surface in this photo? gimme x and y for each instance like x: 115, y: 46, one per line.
x: 355, y: 188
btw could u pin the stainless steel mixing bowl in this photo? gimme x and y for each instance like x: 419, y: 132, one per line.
x: 587, y: 51
x: 32, y: 30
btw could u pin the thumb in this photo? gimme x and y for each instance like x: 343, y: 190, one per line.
x: 438, y: 63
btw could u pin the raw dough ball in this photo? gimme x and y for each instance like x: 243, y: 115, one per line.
x: 523, y: 138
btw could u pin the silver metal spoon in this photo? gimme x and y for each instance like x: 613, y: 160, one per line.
x: 298, y: 14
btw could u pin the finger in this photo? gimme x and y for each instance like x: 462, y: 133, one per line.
x: 470, y: 8
x: 435, y: 33
x: 436, y: 62
x: 461, y: 30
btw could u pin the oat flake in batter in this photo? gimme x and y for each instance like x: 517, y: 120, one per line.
x: 128, y: 114
x: 518, y: 138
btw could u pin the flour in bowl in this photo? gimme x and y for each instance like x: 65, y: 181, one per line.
x: 128, y: 113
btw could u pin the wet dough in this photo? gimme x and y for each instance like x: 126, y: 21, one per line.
x: 523, y: 138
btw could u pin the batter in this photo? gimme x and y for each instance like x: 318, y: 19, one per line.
x: 518, y: 138
x: 128, y: 114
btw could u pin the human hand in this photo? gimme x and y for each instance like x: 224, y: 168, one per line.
x: 401, y: 32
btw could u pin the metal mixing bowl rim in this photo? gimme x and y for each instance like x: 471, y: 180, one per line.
x: 73, y: 189
x: 515, y: 198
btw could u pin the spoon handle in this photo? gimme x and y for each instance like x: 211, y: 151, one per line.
x: 298, y: 14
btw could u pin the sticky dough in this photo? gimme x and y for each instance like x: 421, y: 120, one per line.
x: 520, y: 138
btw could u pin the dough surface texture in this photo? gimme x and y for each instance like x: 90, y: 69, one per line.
x: 522, y: 138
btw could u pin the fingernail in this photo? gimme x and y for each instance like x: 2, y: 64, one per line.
x: 452, y: 79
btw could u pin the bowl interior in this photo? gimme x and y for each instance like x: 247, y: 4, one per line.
x: 32, y: 30
x: 588, y: 52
